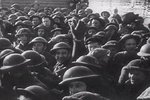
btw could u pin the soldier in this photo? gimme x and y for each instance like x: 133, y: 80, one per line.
x: 62, y: 54
x: 47, y: 22
x: 129, y: 45
x: 38, y: 67
x: 16, y: 73
x: 24, y: 36
x: 80, y: 78
x: 36, y: 20
x: 134, y: 80
x: 6, y: 44
x: 34, y: 92
x: 145, y: 55
x: 39, y: 45
x: 5, y: 53
x: 105, y: 15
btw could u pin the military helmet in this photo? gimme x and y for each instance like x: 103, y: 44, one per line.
x: 40, y: 40
x: 129, y: 36
x: 27, y: 23
x: 22, y: 18
x: 24, y: 31
x: 145, y: 50
x: 13, y: 61
x: 77, y: 73
x: 60, y: 45
x: 88, y: 61
x: 4, y: 43
x: 5, y: 52
x: 36, y: 58
x: 18, y: 23
x: 35, y: 91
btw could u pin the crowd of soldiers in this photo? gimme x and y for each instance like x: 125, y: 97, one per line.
x: 62, y: 54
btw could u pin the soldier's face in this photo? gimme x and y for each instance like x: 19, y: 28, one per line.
x: 77, y: 86
x: 35, y: 21
x: 41, y: 32
x: 130, y: 45
x: 46, y: 22
x: 23, y: 39
x: 62, y: 55
x: 95, y: 23
x: 57, y: 20
x: 39, y: 47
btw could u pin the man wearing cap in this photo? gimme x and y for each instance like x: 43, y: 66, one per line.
x: 111, y: 32
x: 96, y: 41
x: 103, y: 57
x: 98, y: 23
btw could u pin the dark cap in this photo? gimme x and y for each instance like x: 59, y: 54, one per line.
x: 129, y: 36
x: 136, y: 65
x: 111, y: 43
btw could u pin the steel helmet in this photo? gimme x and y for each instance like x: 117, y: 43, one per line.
x: 5, y: 52
x: 24, y: 31
x: 78, y: 73
x: 88, y: 61
x: 145, y: 50
x: 4, y: 43
x: 27, y: 23
x: 22, y: 18
x: 60, y: 45
x: 40, y: 40
x: 13, y: 61
x: 18, y: 23
x: 34, y: 91
x: 36, y: 58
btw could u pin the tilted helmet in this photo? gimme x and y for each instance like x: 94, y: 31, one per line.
x: 24, y: 31
x: 40, y: 40
x: 34, y: 91
x: 36, y: 58
x: 13, y: 61
x: 77, y: 73
x: 4, y: 43
x: 60, y: 45
x: 88, y: 61
x: 5, y: 52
